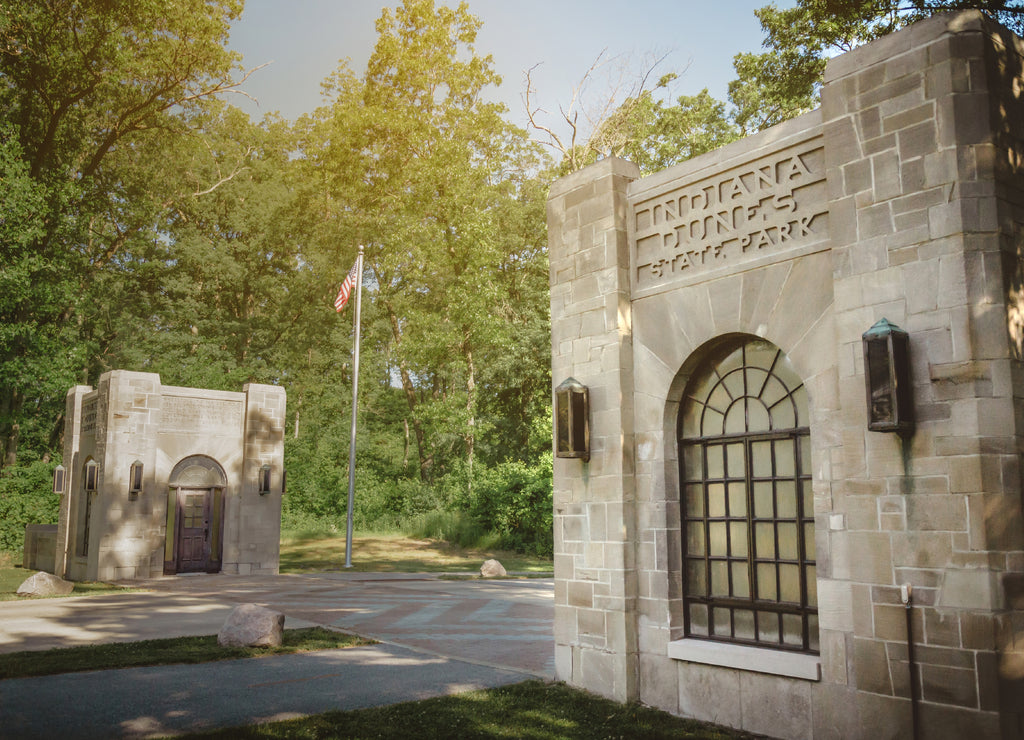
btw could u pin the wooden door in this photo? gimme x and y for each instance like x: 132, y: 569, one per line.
x: 193, y: 530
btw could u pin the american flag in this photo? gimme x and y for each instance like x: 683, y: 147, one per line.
x: 346, y: 289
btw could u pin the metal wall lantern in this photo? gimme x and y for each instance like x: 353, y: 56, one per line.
x: 887, y: 379
x: 572, y: 420
x: 135, y: 479
x: 92, y: 475
x: 59, y: 479
x: 264, y: 479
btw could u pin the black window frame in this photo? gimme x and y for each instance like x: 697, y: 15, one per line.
x: 732, y: 509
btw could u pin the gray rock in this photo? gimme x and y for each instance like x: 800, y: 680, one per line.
x: 250, y: 625
x: 45, y: 584
x: 492, y: 569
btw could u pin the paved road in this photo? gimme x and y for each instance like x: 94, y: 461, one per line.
x: 169, y: 700
x: 501, y: 623
x: 438, y: 637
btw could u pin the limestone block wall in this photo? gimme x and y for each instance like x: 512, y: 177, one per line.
x: 900, y: 198
x: 69, y: 502
x: 130, y: 531
x: 212, y: 424
x: 1004, y: 70
x: 594, y: 503
x: 40, y: 547
x: 915, y: 237
x: 732, y: 243
x: 258, y: 529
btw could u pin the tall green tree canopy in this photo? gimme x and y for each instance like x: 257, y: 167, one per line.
x: 420, y: 168
x: 87, y: 90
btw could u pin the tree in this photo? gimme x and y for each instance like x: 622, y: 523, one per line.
x: 654, y: 135
x: 28, y: 279
x: 224, y: 295
x: 424, y: 172
x: 85, y: 91
x: 783, y: 81
x: 599, y: 125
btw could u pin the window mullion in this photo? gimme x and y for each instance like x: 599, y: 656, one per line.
x: 774, y: 619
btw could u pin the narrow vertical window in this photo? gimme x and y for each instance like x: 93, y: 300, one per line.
x: 747, y: 515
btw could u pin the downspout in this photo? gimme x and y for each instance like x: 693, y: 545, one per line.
x: 906, y: 596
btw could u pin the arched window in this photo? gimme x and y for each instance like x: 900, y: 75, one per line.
x: 747, y: 514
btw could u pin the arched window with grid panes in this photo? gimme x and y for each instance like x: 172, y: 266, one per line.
x: 746, y: 503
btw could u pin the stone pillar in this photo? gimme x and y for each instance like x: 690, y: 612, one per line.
x: 71, y: 463
x: 594, y: 502
x: 915, y: 227
x: 259, y: 518
x: 128, y: 531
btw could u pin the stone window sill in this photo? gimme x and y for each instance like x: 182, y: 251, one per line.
x: 745, y: 658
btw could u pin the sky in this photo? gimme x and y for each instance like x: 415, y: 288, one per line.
x: 303, y: 40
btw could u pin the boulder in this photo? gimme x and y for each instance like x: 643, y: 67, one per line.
x: 45, y: 584
x: 251, y: 625
x: 492, y: 569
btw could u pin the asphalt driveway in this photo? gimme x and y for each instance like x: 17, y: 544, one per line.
x: 437, y: 637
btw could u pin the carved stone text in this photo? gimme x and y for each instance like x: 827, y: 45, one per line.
x: 769, y: 205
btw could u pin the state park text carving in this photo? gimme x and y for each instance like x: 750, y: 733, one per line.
x: 756, y: 210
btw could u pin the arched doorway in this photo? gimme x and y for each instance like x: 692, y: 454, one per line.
x: 749, y: 572
x: 195, y: 516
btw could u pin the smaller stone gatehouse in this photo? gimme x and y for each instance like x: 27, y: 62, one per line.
x: 162, y: 479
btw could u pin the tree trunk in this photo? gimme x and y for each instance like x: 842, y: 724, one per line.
x: 10, y: 432
x: 405, y: 452
x: 426, y: 461
x: 11, y: 446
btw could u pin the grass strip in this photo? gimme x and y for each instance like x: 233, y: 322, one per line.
x: 165, y: 651
x: 533, y: 709
x: 394, y: 553
x: 11, y: 577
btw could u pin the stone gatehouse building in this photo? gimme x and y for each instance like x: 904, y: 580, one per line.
x: 162, y: 479
x: 740, y: 545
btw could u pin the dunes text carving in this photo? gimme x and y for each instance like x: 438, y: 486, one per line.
x: 760, y: 209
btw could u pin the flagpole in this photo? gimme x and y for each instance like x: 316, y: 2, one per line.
x: 355, y: 401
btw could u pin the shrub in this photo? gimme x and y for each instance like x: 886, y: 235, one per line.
x: 457, y: 527
x: 26, y: 497
x: 515, y: 500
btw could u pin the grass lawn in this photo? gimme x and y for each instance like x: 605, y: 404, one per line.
x: 162, y: 652
x: 394, y: 553
x: 315, y: 553
x: 12, y: 576
x: 533, y: 709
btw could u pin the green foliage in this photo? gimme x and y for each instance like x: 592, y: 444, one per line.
x: 457, y: 527
x: 654, y: 134
x: 455, y: 229
x: 515, y: 500
x: 26, y: 497
x: 783, y: 81
x: 146, y: 225
x: 86, y: 119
